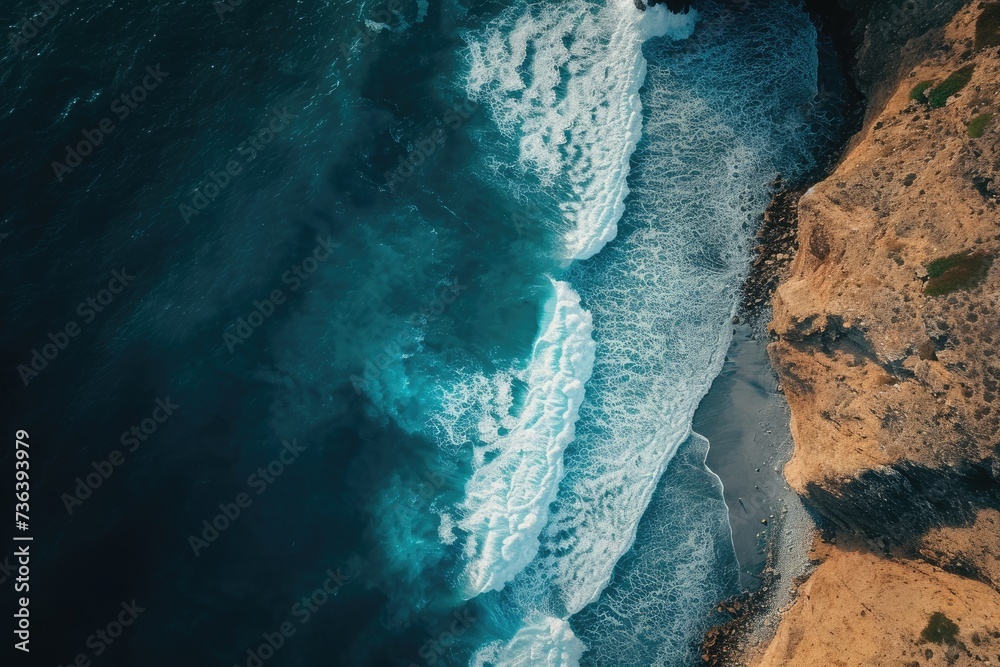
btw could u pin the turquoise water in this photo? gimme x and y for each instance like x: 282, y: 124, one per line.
x: 508, y: 240
x: 644, y: 145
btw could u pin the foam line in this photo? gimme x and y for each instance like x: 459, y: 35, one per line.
x: 563, y: 79
x: 507, y: 499
x: 546, y: 642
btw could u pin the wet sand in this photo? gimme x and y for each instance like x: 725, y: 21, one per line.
x: 745, y: 419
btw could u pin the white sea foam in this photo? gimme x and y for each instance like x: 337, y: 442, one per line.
x: 662, y: 296
x: 661, y: 299
x: 545, y: 642
x: 671, y: 577
x: 518, y: 472
x: 564, y: 79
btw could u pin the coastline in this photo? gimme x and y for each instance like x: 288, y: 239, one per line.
x: 909, y: 540
x: 746, y: 420
x: 745, y: 415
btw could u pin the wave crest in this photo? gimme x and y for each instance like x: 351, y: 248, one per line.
x: 565, y: 80
x: 518, y: 473
x: 547, y: 642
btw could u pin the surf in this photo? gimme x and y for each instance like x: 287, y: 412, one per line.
x: 661, y: 297
x: 517, y: 474
x: 562, y: 80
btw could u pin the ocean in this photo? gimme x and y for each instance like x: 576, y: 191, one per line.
x: 371, y: 333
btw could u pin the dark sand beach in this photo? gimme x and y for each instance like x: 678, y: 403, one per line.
x: 745, y: 419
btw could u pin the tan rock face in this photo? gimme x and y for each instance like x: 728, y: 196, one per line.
x: 887, y: 343
x: 861, y: 610
x: 876, y: 370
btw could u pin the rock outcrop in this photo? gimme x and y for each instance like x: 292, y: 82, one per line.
x: 882, y: 362
x: 886, y: 338
x: 861, y: 610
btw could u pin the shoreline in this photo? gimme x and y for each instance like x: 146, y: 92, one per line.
x: 745, y: 421
x: 901, y: 567
x: 745, y: 415
x: 745, y: 418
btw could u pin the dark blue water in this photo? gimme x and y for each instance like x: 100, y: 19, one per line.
x: 370, y: 332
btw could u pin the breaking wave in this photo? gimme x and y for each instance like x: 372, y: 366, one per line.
x: 563, y: 80
x: 519, y: 468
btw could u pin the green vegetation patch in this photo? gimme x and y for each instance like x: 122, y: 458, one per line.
x: 940, y: 629
x: 954, y: 83
x: 919, y: 91
x: 960, y: 271
x: 978, y: 125
x: 988, y: 27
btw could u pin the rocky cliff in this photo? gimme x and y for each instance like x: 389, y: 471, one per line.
x: 886, y: 338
